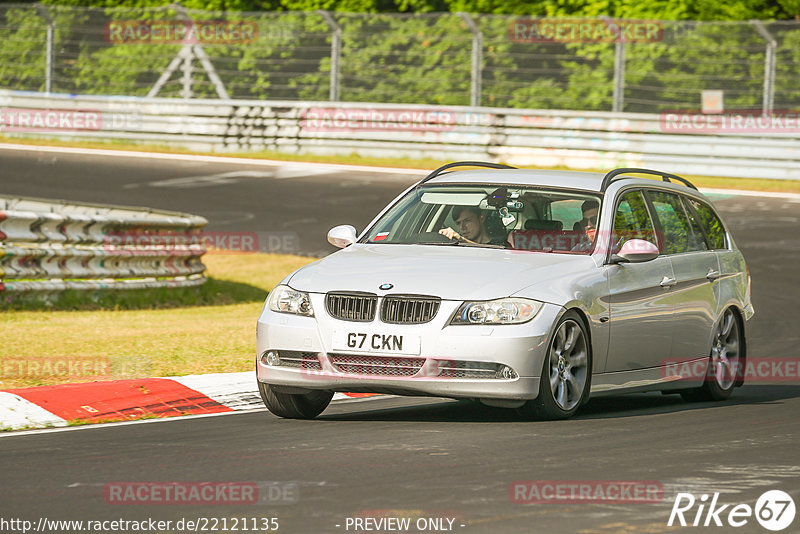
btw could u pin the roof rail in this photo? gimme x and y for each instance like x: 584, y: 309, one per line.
x: 665, y: 176
x: 443, y: 168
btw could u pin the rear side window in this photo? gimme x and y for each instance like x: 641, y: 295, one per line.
x: 711, y: 223
x: 679, y: 234
x: 697, y: 240
x: 631, y: 221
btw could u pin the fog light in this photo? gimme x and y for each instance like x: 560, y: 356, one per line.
x: 271, y: 358
x: 506, y: 372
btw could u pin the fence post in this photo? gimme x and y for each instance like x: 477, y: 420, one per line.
x: 770, y: 65
x: 336, y: 53
x: 186, y: 79
x: 619, y: 76
x: 219, y: 87
x: 477, y: 60
x: 49, y: 50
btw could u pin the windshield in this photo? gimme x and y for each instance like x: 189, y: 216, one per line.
x: 508, y: 216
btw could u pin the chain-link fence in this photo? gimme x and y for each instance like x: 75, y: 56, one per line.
x: 444, y: 58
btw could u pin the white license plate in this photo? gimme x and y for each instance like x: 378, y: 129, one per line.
x: 354, y: 341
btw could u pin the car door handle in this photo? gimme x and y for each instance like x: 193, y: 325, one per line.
x: 668, y: 282
x: 712, y: 274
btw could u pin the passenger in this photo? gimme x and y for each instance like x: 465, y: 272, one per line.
x: 471, y: 222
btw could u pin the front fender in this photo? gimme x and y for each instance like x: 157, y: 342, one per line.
x: 587, y: 293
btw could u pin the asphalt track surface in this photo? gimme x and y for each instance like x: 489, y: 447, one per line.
x: 412, y: 457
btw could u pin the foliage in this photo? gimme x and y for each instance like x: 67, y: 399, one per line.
x: 419, y: 58
x: 647, y: 9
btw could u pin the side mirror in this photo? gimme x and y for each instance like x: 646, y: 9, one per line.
x: 636, y: 251
x: 342, y: 236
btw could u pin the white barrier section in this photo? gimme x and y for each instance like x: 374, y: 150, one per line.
x: 743, y: 144
x: 51, y: 246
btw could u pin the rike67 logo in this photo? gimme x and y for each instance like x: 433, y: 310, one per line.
x: 774, y: 510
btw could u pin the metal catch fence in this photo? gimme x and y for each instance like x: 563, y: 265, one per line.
x: 433, y: 58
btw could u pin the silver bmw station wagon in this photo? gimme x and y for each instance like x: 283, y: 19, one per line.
x: 524, y: 289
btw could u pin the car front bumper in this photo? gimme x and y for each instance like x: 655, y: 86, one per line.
x: 520, y: 347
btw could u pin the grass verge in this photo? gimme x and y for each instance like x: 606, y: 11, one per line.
x: 210, y: 329
x: 749, y: 184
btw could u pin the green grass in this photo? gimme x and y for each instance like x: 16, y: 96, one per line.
x: 84, y: 422
x: 751, y: 184
x: 27, y: 427
x: 214, y: 292
x: 210, y: 329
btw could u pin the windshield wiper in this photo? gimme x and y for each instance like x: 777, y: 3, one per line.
x: 456, y: 242
x: 445, y: 243
x: 484, y: 245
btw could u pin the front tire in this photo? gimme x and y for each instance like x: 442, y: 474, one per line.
x: 294, y: 405
x: 566, y: 374
x: 724, y: 362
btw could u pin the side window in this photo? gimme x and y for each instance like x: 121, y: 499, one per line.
x: 711, y: 223
x: 678, y: 233
x: 631, y: 221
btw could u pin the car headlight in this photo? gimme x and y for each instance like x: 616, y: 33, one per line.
x: 284, y: 299
x: 501, y: 311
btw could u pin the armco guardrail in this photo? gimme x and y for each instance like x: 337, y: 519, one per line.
x: 715, y: 145
x: 51, y: 246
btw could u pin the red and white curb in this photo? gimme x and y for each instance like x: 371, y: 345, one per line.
x: 125, y: 400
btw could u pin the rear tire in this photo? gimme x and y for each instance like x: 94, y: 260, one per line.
x: 566, y: 374
x: 294, y: 405
x: 724, y: 365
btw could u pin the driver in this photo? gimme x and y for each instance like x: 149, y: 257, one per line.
x: 586, y: 226
x: 471, y: 225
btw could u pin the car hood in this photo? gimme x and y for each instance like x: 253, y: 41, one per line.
x: 449, y: 272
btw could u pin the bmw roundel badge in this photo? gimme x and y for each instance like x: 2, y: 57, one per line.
x: 385, y: 286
